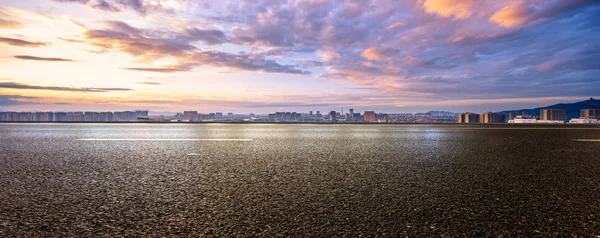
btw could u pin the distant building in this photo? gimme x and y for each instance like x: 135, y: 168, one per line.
x: 590, y: 114
x: 493, y: 117
x: 382, y: 117
x: 332, y: 116
x: 350, y: 116
x: 370, y: 116
x: 511, y: 115
x: 75, y: 116
x: 584, y: 121
x: 60, y: 116
x: 469, y: 118
x: 552, y: 115
x: 533, y: 120
x: 44, y: 116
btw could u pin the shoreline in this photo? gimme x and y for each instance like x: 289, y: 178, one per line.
x: 308, y: 123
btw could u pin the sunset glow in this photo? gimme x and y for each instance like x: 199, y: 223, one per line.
x: 265, y: 56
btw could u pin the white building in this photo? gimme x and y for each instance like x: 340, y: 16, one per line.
x: 584, y: 121
x: 529, y: 120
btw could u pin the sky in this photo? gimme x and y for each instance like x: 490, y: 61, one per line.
x: 261, y: 56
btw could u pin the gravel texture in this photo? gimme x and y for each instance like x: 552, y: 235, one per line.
x: 298, y: 180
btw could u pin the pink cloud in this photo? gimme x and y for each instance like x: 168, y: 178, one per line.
x: 396, y: 25
x: 378, y: 54
x: 459, y: 9
x: 513, y: 15
x: 546, y: 66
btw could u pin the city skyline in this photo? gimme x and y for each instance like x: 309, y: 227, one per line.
x: 268, y: 56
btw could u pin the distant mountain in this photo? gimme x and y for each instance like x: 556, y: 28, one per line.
x: 441, y: 113
x: 572, y: 110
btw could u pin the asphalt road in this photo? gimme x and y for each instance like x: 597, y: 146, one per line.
x: 90, y: 180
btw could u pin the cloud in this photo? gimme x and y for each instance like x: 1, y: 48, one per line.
x: 520, y: 12
x: 12, y: 100
x: 210, y: 37
x: 379, y: 54
x: 328, y: 56
x: 149, y: 83
x: 546, y: 66
x: 21, y: 43
x: 460, y: 9
x: 122, y: 27
x: 149, y: 45
x: 311, y: 63
x: 141, y: 6
x: 436, y: 49
x: 513, y: 15
x: 10, y: 24
x: 159, y: 70
x: 244, y: 61
x: 29, y: 57
x: 395, y: 25
x: 12, y: 85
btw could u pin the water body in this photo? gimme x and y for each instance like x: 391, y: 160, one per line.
x: 298, y: 180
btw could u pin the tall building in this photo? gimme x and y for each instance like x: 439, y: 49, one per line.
x: 332, y: 116
x: 590, y: 114
x: 511, y: 116
x: 493, y: 117
x: 469, y: 117
x: 141, y: 115
x: 370, y: 116
x: 552, y: 114
x: 74, y: 116
x: 350, y: 115
x: 124, y: 116
x: 60, y: 116
x: 44, y: 116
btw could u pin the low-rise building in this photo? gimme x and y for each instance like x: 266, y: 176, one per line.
x: 584, y: 121
x: 530, y: 120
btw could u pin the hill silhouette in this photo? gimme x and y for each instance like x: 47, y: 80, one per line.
x: 572, y: 110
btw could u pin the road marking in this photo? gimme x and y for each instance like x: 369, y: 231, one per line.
x: 587, y: 140
x: 140, y: 139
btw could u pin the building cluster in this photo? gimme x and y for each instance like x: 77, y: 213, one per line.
x: 285, y: 116
x: 74, y: 116
x: 486, y: 117
x: 192, y: 116
x: 424, y: 117
x: 587, y: 116
x: 195, y: 116
x: 332, y: 116
x: 547, y: 116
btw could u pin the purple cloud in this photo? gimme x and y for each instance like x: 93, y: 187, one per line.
x: 435, y: 48
x: 21, y: 43
x: 12, y: 85
x: 51, y: 59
